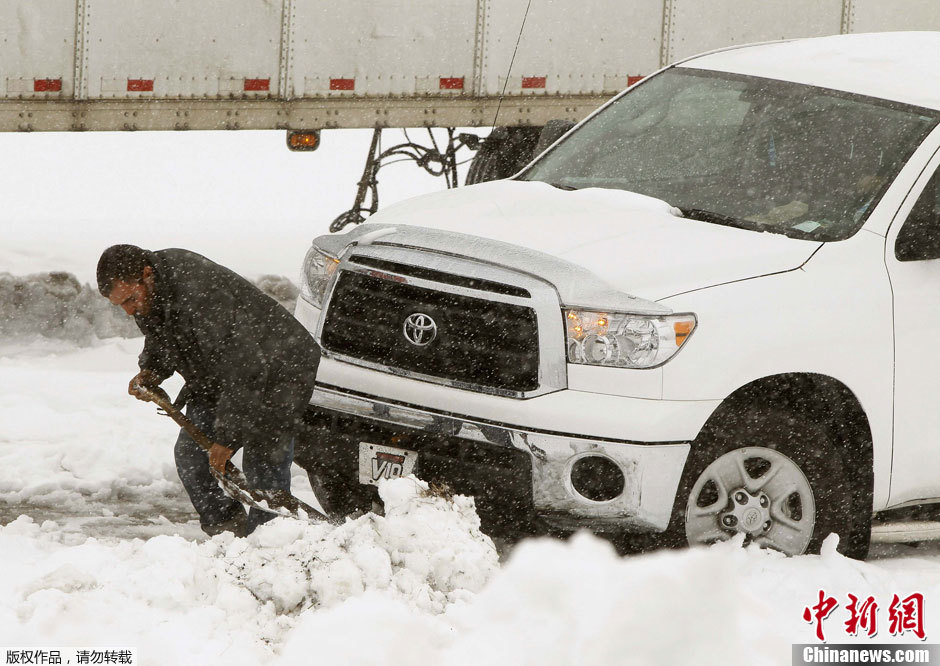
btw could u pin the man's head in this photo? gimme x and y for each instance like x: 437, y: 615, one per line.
x: 126, y: 278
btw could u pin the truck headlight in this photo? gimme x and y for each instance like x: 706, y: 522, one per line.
x: 318, y: 268
x: 624, y: 340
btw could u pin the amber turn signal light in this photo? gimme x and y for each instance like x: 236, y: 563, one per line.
x: 682, y: 329
x: 303, y: 140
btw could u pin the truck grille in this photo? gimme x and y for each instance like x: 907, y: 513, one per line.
x: 478, y: 343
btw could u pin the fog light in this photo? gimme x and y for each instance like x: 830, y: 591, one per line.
x: 597, y: 478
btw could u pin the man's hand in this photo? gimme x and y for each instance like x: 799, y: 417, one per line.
x: 218, y: 457
x: 143, y: 379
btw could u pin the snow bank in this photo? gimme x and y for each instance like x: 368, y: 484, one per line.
x: 426, y: 550
x: 578, y: 603
x: 55, y: 305
x: 422, y: 585
x: 235, y: 600
x: 280, y: 289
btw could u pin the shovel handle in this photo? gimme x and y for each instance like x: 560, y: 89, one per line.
x: 233, y: 480
x: 159, y: 397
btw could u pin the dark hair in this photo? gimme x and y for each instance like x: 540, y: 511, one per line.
x: 121, y: 262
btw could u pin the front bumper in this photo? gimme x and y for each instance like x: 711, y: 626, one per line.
x: 651, y: 471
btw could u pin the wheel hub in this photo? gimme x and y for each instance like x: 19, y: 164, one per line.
x: 749, y: 513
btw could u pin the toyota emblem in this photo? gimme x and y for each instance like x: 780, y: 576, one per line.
x: 419, y: 329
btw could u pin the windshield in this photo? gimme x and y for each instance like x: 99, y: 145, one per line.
x: 744, y: 151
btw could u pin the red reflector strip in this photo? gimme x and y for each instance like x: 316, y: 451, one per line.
x: 342, y: 84
x: 257, y: 85
x: 451, y: 83
x: 533, y: 82
x: 140, y: 85
x: 634, y: 79
x: 47, y: 85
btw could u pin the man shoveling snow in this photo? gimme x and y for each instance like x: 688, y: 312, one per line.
x: 249, y: 368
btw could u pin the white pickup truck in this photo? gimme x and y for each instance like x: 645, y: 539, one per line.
x: 707, y: 310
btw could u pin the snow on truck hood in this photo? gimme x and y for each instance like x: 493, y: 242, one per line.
x: 599, y: 247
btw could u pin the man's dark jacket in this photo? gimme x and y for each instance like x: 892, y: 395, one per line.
x: 234, y: 345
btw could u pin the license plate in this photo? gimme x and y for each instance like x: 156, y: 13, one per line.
x: 377, y: 462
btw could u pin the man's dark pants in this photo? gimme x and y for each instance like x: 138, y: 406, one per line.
x: 266, y: 465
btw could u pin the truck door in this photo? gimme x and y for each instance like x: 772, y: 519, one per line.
x: 912, y: 255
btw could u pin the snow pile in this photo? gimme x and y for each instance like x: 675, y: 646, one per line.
x: 579, y: 603
x: 426, y: 550
x: 558, y: 604
x: 280, y: 289
x: 422, y: 586
x: 233, y: 600
x: 55, y: 305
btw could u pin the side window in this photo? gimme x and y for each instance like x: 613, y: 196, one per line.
x: 919, y: 238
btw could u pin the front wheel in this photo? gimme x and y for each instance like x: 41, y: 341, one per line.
x: 774, y: 477
x: 757, y: 492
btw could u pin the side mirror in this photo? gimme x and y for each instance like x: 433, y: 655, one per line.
x: 553, y: 130
x: 919, y: 239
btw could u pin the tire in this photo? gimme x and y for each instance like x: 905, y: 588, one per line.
x: 796, y: 489
x: 336, y: 496
x: 503, y: 153
x: 332, y: 467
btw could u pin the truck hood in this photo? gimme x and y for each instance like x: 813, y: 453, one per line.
x: 596, y: 240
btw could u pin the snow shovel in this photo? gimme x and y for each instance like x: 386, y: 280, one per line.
x: 233, y: 482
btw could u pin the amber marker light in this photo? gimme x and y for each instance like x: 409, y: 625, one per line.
x: 683, y: 329
x: 305, y: 140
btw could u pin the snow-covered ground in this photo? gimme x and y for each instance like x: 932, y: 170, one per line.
x: 99, y: 545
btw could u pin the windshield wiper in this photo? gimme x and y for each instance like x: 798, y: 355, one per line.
x: 703, y: 215
x: 561, y: 186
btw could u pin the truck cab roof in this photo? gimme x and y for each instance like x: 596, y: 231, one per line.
x: 898, y: 66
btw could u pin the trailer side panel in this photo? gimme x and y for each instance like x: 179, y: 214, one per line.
x: 37, y: 44
x: 308, y: 64
x: 593, y: 49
